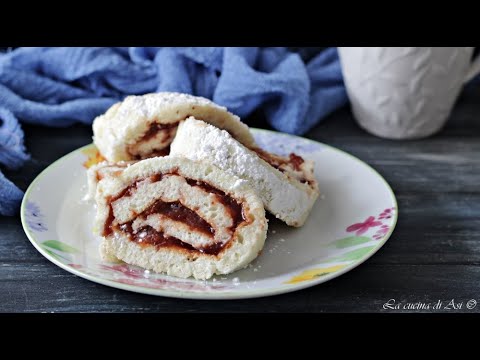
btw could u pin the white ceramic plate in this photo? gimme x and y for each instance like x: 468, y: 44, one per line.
x: 351, y: 220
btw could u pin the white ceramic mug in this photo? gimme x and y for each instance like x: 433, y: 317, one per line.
x: 405, y: 92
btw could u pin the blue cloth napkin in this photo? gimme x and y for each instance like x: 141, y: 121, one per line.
x: 61, y: 86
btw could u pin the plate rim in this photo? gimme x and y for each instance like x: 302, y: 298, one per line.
x: 225, y: 295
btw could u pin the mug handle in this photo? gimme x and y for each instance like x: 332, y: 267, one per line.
x: 474, y: 69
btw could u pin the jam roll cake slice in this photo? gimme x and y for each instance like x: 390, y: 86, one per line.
x: 181, y: 217
x: 141, y: 127
x: 286, y: 185
x: 101, y: 170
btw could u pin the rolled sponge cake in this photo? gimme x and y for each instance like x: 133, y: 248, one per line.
x: 287, y: 186
x: 180, y: 217
x: 98, y: 171
x: 144, y: 126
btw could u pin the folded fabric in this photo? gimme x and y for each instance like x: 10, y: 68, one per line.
x: 10, y: 196
x: 61, y: 86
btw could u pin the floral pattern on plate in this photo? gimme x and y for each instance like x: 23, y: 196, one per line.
x: 133, y: 275
x: 372, y: 230
x: 93, y: 156
x: 35, y: 218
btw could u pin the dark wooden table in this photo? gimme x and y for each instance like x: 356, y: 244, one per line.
x: 433, y: 254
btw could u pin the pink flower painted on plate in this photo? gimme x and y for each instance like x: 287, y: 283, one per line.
x: 361, y: 228
x: 137, y: 277
x: 387, y: 213
x: 125, y: 270
x: 381, y: 232
x: 188, y: 285
x: 128, y: 281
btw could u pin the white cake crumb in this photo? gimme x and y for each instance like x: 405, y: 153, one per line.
x: 239, y: 183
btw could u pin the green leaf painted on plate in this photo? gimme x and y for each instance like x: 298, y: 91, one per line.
x: 55, y: 255
x: 350, y: 241
x: 60, y: 246
x: 353, y: 255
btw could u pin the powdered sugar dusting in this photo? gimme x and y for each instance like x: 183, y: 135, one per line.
x: 289, y: 201
x: 148, y: 105
x: 124, y: 123
x: 239, y: 183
